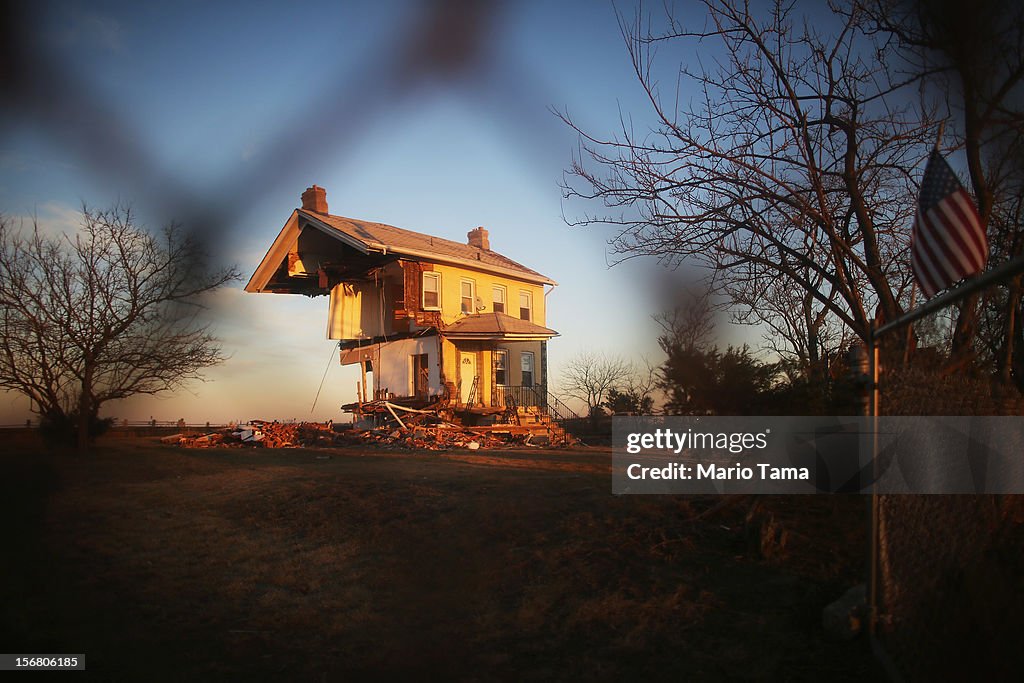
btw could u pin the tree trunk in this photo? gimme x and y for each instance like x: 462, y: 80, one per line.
x: 85, y: 411
x: 966, y: 327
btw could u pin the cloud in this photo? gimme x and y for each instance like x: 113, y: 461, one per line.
x: 52, y: 218
x: 11, y: 160
x: 250, y: 150
x: 19, y: 162
x: 91, y: 29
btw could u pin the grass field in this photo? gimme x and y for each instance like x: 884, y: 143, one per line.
x: 162, y: 563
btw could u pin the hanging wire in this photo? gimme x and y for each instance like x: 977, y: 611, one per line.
x: 322, y: 379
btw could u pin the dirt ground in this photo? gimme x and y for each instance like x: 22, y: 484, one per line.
x: 160, y: 563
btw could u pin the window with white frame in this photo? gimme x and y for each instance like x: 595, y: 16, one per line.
x: 526, y: 367
x: 501, y: 367
x: 525, y: 305
x: 498, y: 298
x: 431, y: 291
x: 468, y: 296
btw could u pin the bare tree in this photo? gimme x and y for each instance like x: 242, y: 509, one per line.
x: 107, y: 314
x: 691, y: 322
x: 588, y: 377
x: 800, y: 331
x: 643, y: 383
x: 782, y: 156
x: 635, y: 393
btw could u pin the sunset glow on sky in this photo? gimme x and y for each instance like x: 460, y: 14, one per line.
x: 241, y: 109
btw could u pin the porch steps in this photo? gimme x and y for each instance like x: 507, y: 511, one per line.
x: 540, y: 423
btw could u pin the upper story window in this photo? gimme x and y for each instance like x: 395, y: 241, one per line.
x: 525, y: 305
x: 498, y: 298
x: 468, y: 296
x: 431, y: 291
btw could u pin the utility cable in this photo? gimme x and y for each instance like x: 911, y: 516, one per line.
x: 322, y: 379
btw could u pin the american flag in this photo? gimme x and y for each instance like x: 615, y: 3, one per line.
x: 949, y: 240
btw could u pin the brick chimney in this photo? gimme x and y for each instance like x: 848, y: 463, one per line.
x: 478, y: 238
x: 315, y: 199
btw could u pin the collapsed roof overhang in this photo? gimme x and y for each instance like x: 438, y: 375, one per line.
x: 313, y: 250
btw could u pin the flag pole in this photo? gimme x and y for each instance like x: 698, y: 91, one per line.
x: 938, y: 137
x: 913, y: 283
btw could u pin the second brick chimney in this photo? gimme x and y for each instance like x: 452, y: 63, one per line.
x: 478, y: 238
x: 315, y: 199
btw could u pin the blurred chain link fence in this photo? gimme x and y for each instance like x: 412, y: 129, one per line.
x: 950, y: 568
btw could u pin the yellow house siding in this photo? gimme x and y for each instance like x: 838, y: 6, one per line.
x: 450, y: 363
x: 486, y: 376
x: 515, y: 368
x: 386, y: 305
x: 484, y: 352
x: 451, y: 293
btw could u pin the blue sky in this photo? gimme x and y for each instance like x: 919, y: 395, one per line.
x: 204, y: 94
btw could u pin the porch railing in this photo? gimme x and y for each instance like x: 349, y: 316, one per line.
x: 534, y: 396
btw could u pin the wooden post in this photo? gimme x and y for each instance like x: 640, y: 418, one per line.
x: 362, y: 371
x: 875, y: 365
x: 394, y: 415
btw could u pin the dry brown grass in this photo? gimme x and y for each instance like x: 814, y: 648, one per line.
x: 168, y: 564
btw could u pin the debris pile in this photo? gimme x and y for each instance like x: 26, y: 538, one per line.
x: 212, y: 440
x: 441, y: 438
x: 260, y: 433
x: 284, y: 435
x: 439, y: 429
x: 422, y: 430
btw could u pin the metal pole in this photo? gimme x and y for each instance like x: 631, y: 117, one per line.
x: 910, y: 330
x: 874, y: 537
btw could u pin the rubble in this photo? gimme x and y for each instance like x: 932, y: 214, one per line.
x: 439, y: 428
x: 261, y: 433
x: 422, y: 430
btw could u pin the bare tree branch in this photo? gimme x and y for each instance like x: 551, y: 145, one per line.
x: 780, y: 160
x: 109, y: 313
x: 588, y: 376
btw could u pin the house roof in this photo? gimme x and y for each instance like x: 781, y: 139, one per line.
x: 496, y: 325
x: 387, y: 238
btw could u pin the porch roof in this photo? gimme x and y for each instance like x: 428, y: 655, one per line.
x: 496, y: 326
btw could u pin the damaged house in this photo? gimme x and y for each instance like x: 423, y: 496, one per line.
x: 430, y: 320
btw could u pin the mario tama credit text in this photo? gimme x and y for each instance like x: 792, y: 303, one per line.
x: 710, y: 454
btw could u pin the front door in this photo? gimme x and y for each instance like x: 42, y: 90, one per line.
x: 467, y: 372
